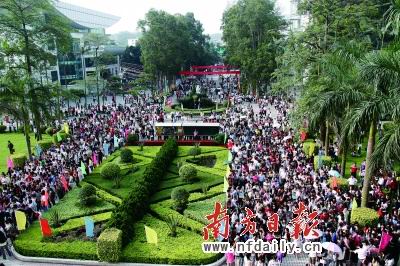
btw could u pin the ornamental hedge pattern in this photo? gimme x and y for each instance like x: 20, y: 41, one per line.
x: 134, y: 207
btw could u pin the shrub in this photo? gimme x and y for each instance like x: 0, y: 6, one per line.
x: 54, y: 218
x: 50, y: 131
x: 126, y: 156
x: 87, y: 195
x: 188, y: 172
x: 19, y: 159
x: 364, y: 217
x: 45, y: 144
x: 341, y: 182
x: 123, y: 217
x: 219, y: 138
x: 141, y: 145
x: 3, y: 128
x: 173, y: 223
x: 62, y: 134
x: 204, y: 189
x: 132, y: 139
x: 326, y: 161
x: 109, y: 245
x: 180, y: 199
x: 110, y: 171
x: 196, y: 150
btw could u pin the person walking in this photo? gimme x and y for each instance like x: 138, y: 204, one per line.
x: 4, y: 244
x: 11, y: 147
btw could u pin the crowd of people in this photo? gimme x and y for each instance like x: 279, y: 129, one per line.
x: 50, y: 174
x: 270, y: 173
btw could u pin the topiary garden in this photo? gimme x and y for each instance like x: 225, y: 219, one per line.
x: 151, y: 185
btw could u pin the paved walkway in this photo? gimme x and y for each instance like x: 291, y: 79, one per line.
x: 14, y: 262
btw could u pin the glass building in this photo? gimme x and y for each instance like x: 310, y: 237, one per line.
x: 80, y: 60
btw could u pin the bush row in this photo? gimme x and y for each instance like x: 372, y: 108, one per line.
x: 135, y: 205
x: 19, y: 159
x: 76, y: 223
x: 364, y: 217
x: 109, y: 245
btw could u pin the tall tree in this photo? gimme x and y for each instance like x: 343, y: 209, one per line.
x: 34, y: 29
x: 170, y: 43
x: 251, y: 30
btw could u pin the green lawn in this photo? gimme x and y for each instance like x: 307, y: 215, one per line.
x: 185, y: 248
x: 199, y: 209
x: 69, y: 206
x: 108, y: 184
x: 18, y: 139
x: 148, y: 151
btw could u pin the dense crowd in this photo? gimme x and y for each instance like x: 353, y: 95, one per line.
x: 270, y: 173
x: 48, y: 176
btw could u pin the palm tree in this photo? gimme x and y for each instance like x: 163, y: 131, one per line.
x: 380, y: 70
x: 337, y: 88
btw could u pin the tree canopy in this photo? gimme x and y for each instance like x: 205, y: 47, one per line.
x: 252, y: 30
x: 170, y: 43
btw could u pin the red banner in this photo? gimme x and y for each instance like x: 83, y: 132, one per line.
x: 200, y: 73
x: 44, y: 225
x: 212, y: 67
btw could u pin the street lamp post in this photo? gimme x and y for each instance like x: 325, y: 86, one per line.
x: 97, y: 80
x: 65, y: 76
x: 84, y: 73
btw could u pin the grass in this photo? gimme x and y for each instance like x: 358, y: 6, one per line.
x: 199, y: 209
x: 69, y: 206
x: 183, y: 150
x: 186, y: 246
x: 148, y: 151
x: 18, y: 139
x: 209, y: 176
x: 128, y: 177
x: 205, y: 178
x: 108, y: 185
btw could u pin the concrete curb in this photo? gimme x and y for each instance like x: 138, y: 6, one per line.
x: 23, y: 258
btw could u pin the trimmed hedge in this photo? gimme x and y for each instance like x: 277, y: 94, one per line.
x: 62, y: 134
x: 219, y: 138
x: 109, y: 245
x: 364, y: 217
x: 310, y: 148
x: 126, y: 156
x: 45, y: 144
x: 76, y: 223
x: 123, y: 216
x: 132, y: 139
x: 188, y: 173
x: 163, y: 213
x: 110, y: 171
x: 30, y: 244
x: 87, y: 195
x: 180, y: 198
x: 2, y: 128
x: 108, y: 197
x: 19, y: 159
x: 326, y: 161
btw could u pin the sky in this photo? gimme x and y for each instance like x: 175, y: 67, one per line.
x: 209, y: 12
